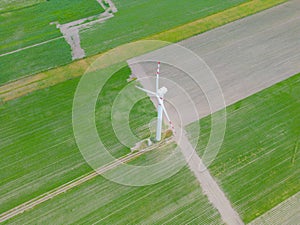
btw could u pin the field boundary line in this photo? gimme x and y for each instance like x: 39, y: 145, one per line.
x: 31, y: 46
x: 76, y: 182
x: 53, y: 76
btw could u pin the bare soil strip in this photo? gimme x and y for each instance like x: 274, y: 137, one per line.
x: 63, y: 188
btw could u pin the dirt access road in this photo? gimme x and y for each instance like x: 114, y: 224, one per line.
x: 246, y: 56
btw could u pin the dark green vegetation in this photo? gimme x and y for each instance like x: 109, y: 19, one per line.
x: 138, y: 19
x: 34, y: 59
x: 176, y: 200
x: 258, y: 165
x: 31, y: 25
x: 37, y: 147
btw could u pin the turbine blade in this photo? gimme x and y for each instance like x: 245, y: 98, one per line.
x: 164, y: 109
x: 157, y: 76
x: 161, y: 102
x: 147, y: 91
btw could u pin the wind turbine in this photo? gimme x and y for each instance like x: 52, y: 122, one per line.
x: 159, y: 94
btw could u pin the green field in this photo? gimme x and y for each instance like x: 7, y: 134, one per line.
x: 38, y: 149
x: 177, y: 200
x: 139, y: 19
x: 259, y: 156
x: 140, y: 114
x: 25, y: 62
x: 31, y: 25
x: 39, y: 153
x: 258, y: 165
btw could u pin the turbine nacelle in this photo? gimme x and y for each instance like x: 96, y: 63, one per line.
x: 161, y: 92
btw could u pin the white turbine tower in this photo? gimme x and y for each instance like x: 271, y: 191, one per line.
x: 159, y: 94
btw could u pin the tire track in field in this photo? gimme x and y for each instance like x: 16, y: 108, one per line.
x: 31, y: 46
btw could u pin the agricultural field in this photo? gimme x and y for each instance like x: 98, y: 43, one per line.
x: 39, y: 153
x: 28, y: 26
x: 257, y: 167
x: 17, y: 33
x: 176, y: 200
x: 34, y: 59
x: 31, y: 25
x: 38, y: 148
x: 139, y: 19
x: 260, y: 153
